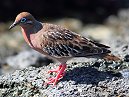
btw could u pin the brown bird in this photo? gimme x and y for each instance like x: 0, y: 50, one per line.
x: 57, y: 42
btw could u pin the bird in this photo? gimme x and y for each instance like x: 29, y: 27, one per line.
x: 58, y: 43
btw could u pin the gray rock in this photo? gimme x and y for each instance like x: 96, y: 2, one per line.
x: 79, y: 81
x: 126, y: 58
x: 125, y: 73
x: 27, y: 58
x: 97, y: 32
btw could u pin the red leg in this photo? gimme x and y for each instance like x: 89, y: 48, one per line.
x: 60, y: 73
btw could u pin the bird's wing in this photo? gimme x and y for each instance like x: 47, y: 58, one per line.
x: 62, y: 42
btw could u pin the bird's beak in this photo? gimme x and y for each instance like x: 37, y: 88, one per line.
x: 13, y: 25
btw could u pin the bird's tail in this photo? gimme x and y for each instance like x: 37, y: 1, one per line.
x: 111, y: 57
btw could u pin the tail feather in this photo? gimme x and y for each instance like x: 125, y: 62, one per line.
x: 110, y: 57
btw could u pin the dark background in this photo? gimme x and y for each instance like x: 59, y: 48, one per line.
x: 89, y: 11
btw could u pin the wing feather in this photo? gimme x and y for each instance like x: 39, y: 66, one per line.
x: 60, y: 42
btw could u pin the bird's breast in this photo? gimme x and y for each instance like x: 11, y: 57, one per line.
x: 26, y: 37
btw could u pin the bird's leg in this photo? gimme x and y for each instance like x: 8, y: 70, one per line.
x: 60, y: 74
x: 55, y: 70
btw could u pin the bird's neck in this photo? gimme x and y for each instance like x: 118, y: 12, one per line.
x: 29, y: 32
x: 26, y: 36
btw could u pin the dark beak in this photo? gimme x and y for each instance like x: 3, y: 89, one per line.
x: 13, y: 25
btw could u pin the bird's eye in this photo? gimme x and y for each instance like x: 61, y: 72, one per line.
x: 23, y: 20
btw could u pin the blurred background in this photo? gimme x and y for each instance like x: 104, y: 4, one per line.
x: 88, y: 11
x: 100, y: 20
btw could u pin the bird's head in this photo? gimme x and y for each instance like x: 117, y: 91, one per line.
x: 23, y: 19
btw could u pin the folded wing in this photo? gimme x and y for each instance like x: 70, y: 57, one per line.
x: 64, y: 43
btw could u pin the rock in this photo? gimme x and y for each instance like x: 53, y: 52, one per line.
x: 70, y: 23
x: 126, y: 58
x: 118, y: 46
x: 125, y: 73
x: 11, y: 44
x: 97, y: 32
x: 119, y: 23
x: 79, y: 81
x: 27, y: 58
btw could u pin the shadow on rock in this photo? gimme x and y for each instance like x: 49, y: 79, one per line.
x: 88, y: 75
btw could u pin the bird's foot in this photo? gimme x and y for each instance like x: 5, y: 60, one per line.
x: 60, y: 73
x: 52, y: 78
